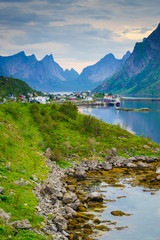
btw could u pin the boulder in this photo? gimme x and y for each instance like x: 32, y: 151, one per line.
x: 69, y: 197
x: 114, y: 152
x: 70, y: 211
x: 19, y: 183
x: 95, y: 197
x: 144, y: 165
x: 106, y: 166
x: 75, y: 205
x: 61, y: 223
x: 48, y: 153
x: 4, y: 216
x: 21, y: 224
x: 131, y: 165
x: 1, y: 190
x: 80, y: 173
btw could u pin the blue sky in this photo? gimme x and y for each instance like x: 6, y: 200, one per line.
x: 77, y: 32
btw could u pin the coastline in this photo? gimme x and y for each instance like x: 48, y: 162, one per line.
x: 61, y: 204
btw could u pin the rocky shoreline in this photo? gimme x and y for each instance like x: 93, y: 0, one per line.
x: 57, y: 199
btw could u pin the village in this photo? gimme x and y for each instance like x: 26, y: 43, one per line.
x: 79, y: 98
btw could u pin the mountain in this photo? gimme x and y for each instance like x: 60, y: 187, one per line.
x: 93, y: 75
x: 13, y: 86
x: 141, y: 72
x: 44, y: 75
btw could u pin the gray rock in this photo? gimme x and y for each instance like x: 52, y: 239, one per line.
x: 132, y: 159
x: 80, y: 173
x: 75, y: 205
x: 19, y: 183
x: 144, y: 165
x: 106, y: 166
x: 69, y: 210
x: 48, y: 153
x: 61, y: 223
x: 94, y: 196
x: 1, y: 190
x: 114, y: 152
x: 131, y: 165
x: 69, y: 197
x: 21, y: 224
x: 4, y: 216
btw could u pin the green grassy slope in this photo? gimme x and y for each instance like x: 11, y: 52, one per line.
x: 26, y: 131
x: 13, y: 86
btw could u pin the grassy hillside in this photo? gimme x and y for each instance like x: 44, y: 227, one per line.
x: 13, y: 86
x: 26, y: 131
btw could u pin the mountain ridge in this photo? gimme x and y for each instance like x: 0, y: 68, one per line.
x: 141, y: 72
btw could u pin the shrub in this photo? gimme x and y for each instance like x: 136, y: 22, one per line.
x: 56, y: 155
x: 90, y: 124
x: 69, y: 109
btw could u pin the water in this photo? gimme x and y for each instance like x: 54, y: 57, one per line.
x: 141, y: 203
x: 140, y: 123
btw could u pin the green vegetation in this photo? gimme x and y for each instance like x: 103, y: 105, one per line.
x: 27, y: 130
x: 9, y: 85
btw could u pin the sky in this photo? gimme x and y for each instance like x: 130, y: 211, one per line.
x: 78, y: 33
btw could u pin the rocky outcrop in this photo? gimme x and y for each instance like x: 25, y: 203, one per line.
x: 21, y: 224
x: 58, y: 199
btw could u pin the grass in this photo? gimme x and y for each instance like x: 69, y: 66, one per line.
x: 26, y: 131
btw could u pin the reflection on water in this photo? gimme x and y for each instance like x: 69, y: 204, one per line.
x: 141, y: 123
x: 140, y: 205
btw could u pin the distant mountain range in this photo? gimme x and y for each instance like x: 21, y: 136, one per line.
x: 47, y: 75
x: 141, y: 72
x: 44, y: 75
x: 93, y: 75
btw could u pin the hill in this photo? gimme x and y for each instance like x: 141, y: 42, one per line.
x: 13, y: 86
x: 141, y: 72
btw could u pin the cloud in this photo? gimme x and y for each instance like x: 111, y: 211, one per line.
x: 82, y: 30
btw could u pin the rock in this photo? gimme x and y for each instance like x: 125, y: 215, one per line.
x: 4, y: 216
x: 131, y: 165
x: 69, y: 210
x: 61, y: 223
x: 48, y: 153
x: 19, y: 183
x: 34, y: 177
x: 75, y: 205
x: 28, y: 183
x: 106, y: 166
x: 21, y: 224
x: 95, y: 197
x: 1, y: 190
x: 146, y: 147
x: 144, y: 165
x: 114, y: 152
x: 158, y: 177
x: 80, y: 173
x: 53, y: 199
x: 69, y: 197
x: 132, y: 159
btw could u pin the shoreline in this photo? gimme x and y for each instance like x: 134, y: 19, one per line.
x: 59, y: 202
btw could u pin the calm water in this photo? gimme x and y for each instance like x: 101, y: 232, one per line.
x: 142, y: 224
x: 140, y: 123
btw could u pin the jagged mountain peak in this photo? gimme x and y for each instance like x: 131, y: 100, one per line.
x: 141, y: 72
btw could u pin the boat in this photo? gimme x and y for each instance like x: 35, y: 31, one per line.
x: 117, y: 102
